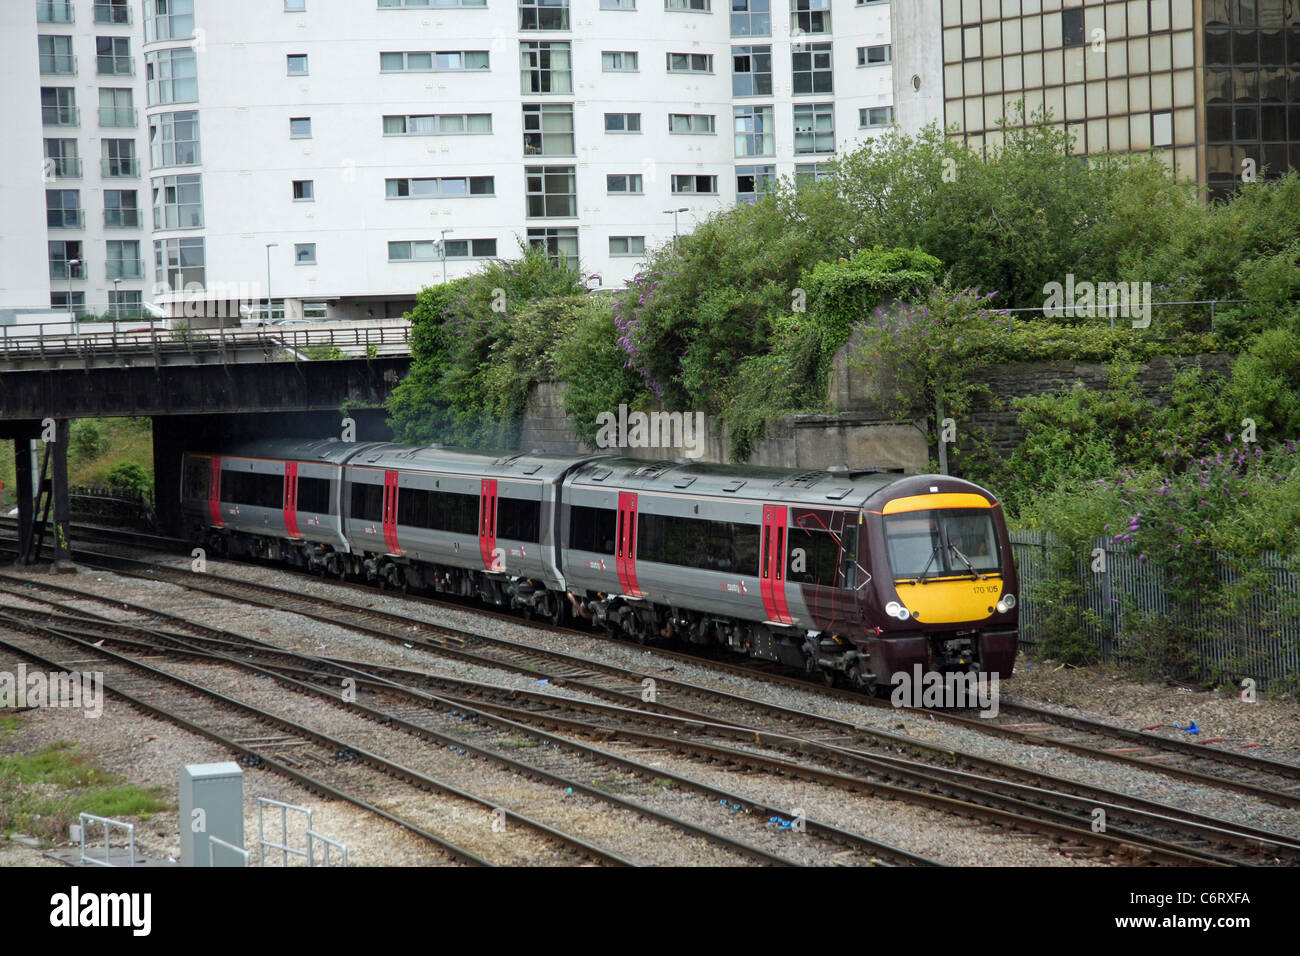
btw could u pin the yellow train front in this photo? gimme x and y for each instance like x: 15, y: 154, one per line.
x: 943, y: 592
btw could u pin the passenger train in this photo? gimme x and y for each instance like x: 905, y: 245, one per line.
x: 854, y: 574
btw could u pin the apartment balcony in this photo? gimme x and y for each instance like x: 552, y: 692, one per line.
x: 60, y: 116
x: 54, y: 11
x: 121, y: 218
x: 118, y: 13
x: 58, y: 64
x: 63, y: 167
x: 117, y: 117
x: 65, y: 219
x: 59, y: 270
x: 120, y: 168
x: 124, y: 269
x: 114, y: 66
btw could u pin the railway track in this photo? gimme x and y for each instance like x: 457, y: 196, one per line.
x: 409, y: 711
x: 1200, y: 762
x: 1161, y: 836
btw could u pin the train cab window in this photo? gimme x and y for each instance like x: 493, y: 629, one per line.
x: 592, y: 529
x: 314, y: 495
x: 367, y: 502
x: 814, y: 548
x: 518, y: 520
x: 196, y: 477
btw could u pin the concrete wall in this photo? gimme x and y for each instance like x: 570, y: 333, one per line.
x: 918, y: 53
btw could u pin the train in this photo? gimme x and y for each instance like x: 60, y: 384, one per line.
x: 853, y: 574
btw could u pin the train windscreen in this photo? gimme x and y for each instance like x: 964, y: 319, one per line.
x: 941, y: 542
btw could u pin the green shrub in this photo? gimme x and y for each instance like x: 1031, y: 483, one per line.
x: 130, y: 478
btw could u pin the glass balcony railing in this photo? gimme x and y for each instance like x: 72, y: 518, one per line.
x: 112, y: 13
x: 115, y: 66
x: 120, y: 168
x: 59, y: 270
x: 116, y: 116
x: 63, y: 167
x: 65, y: 219
x: 58, y: 64
x: 60, y: 116
x: 54, y: 11
x: 124, y: 268
x: 121, y: 218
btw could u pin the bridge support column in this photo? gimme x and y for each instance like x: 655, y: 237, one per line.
x: 62, y: 538
x: 26, y: 488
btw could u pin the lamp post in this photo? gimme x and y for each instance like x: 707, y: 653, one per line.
x: 269, y: 247
x: 117, y: 303
x: 72, y: 264
x: 442, y: 245
x: 674, y: 215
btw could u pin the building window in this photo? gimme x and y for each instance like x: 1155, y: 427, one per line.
x: 300, y: 6
x: 300, y: 127
x: 1072, y: 26
x: 304, y: 253
x: 543, y: 14
x: 691, y: 183
x: 62, y: 253
x: 626, y: 245
x: 692, y: 123
x: 471, y: 248
x: 552, y: 192
x: 560, y: 244
x: 690, y: 62
x: 812, y: 68
x: 544, y: 67
x: 126, y: 303
x: 123, y: 260
x: 113, y: 56
x: 694, y: 6
x: 424, y: 250
x: 814, y: 128
x: 172, y: 76
x: 296, y: 64
x: 304, y: 190
x: 174, y: 138
x: 751, y: 18
x: 121, y: 209
x: 54, y: 11
x: 618, y: 61
x: 179, y: 262
x: 56, y: 55
x: 812, y: 173
x: 625, y: 183
x: 168, y: 20
x: 548, y: 129
x: 755, y: 131
x: 61, y: 160
x: 178, y: 202
x: 753, y: 181
x: 810, y: 16
x: 435, y: 124
x: 751, y: 71
x: 425, y: 4
x: 874, y: 55
x: 119, y: 159
x: 74, y: 303
x: 116, y: 107
x: 59, y: 106
x: 618, y: 4
x: 875, y: 116
x: 63, y: 209
x: 439, y: 186
x: 622, y: 122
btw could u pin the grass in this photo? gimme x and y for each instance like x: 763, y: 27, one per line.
x: 517, y: 741
x: 120, y: 440
x: 43, y: 793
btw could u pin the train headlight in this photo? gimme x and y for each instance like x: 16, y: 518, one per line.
x: 894, y: 609
x: 1007, y: 602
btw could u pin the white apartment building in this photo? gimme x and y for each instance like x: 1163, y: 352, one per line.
x: 343, y: 153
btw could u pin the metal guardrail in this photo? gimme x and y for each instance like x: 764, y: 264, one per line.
x: 28, y: 341
x: 214, y: 842
x: 312, y: 837
x: 285, y: 849
x: 108, y: 825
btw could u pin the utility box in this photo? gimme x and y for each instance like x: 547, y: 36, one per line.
x: 211, y: 805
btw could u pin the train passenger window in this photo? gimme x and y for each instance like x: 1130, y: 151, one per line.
x: 314, y: 495
x: 518, y: 520
x: 413, y: 507
x: 196, y: 476
x: 367, y: 502
x: 592, y: 529
x: 252, y: 488
x: 698, y: 543
x: 453, y: 512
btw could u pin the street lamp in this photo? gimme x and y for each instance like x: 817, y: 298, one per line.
x: 117, y: 303
x: 674, y: 215
x: 269, y: 247
x: 443, y: 246
x: 72, y: 264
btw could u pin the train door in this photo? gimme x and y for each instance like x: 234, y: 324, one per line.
x: 291, y: 499
x: 390, y: 512
x: 625, y: 543
x: 487, y: 525
x: 772, y: 551
x: 214, y: 493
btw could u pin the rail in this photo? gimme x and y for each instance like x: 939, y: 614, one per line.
x: 303, y: 344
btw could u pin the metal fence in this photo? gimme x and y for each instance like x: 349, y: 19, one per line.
x: 1260, y: 640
